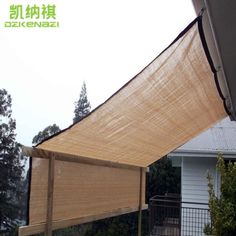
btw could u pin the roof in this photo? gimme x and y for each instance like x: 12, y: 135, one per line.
x: 219, y: 138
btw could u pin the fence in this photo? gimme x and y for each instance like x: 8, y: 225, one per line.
x: 169, y: 216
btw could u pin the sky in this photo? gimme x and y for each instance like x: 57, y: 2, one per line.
x: 104, y: 43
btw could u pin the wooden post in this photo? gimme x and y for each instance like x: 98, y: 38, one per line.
x: 140, y: 203
x: 51, y: 167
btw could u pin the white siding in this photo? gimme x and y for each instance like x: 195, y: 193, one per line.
x: 194, y: 189
x: 194, y: 181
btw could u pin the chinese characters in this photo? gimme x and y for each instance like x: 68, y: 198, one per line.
x: 33, y: 12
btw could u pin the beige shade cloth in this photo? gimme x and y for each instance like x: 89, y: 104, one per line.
x: 82, y: 190
x: 172, y: 100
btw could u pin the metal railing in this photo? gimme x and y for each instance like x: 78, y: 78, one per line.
x: 169, y: 216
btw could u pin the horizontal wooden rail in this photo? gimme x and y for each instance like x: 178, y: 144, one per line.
x: 59, y: 156
x: 60, y: 224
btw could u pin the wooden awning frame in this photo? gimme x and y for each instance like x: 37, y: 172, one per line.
x: 51, y: 225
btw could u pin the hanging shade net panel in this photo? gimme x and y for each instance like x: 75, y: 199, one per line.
x: 82, y: 193
x: 172, y: 100
x: 169, y: 102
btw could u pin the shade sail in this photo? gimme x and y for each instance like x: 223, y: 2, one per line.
x: 169, y: 102
x: 172, y: 100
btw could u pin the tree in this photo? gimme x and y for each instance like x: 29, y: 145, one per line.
x: 11, y: 165
x: 222, y: 208
x: 82, y: 107
x: 163, y: 178
x: 47, y: 132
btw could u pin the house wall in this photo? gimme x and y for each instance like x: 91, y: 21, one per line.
x: 195, y: 190
x: 194, y: 182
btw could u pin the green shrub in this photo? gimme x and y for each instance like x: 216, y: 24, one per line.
x: 223, y: 208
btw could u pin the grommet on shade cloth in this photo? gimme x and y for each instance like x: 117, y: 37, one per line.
x: 202, y: 12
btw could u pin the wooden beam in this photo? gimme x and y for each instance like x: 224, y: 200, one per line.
x: 140, y: 202
x: 49, y: 220
x: 42, y: 153
x: 60, y: 224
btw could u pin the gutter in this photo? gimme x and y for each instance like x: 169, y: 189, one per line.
x: 214, y: 47
x: 202, y: 153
